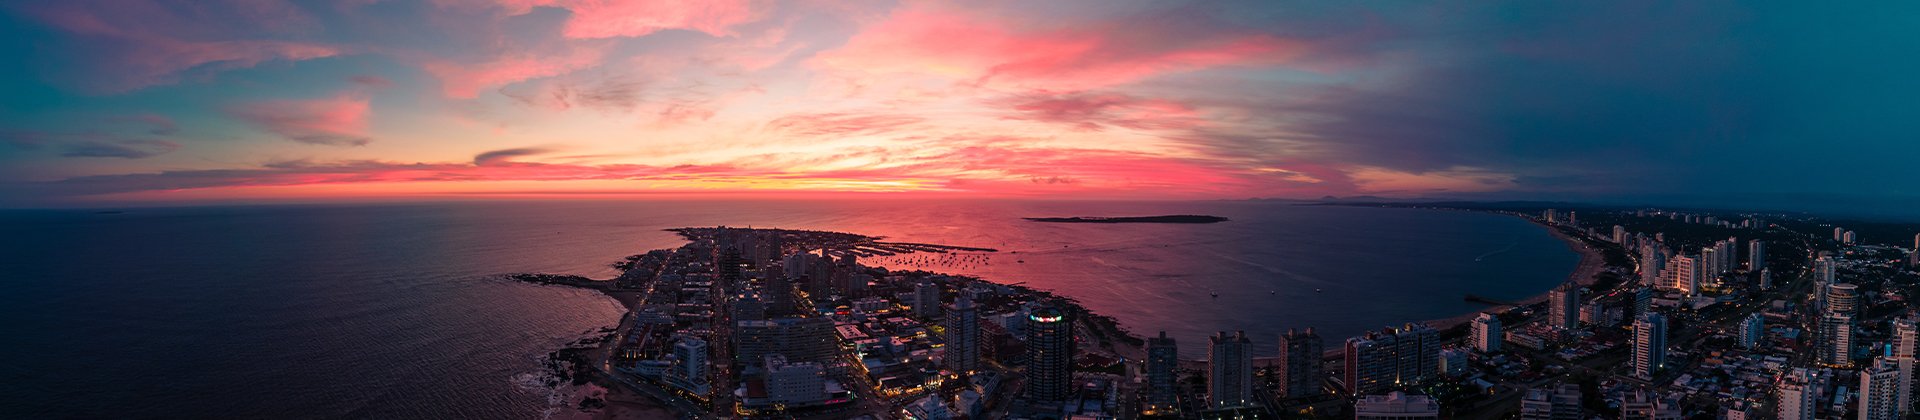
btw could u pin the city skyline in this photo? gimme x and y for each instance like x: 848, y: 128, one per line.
x: 169, y: 102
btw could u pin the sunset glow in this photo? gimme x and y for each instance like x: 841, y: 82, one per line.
x: 158, y: 100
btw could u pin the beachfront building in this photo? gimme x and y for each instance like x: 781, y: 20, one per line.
x: 1163, y: 356
x: 1382, y: 360
x: 1396, y: 405
x: 1564, y: 306
x: 1049, y: 354
x: 1486, y: 333
x: 1299, y: 369
x: 1230, y: 370
x: 1649, y: 345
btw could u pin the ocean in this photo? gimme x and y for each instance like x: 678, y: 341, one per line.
x: 399, y: 310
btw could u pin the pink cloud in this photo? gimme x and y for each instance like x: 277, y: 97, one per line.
x: 336, y: 121
x: 466, y: 80
x: 841, y: 124
x: 997, y: 51
x: 616, y: 18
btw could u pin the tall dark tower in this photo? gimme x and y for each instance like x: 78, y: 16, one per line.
x: 1163, y: 355
x: 1299, y: 369
x: 1049, y: 354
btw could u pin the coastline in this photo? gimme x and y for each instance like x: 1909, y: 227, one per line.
x: 1591, y: 264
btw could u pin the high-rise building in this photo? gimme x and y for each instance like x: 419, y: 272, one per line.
x: 1163, y: 356
x: 1756, y: 255
x: 1839, y: 234
x: 1752, y: 330
x: 1848, y: 238
x: 1843, y: 298
x: 1649, y: 345
x: 1879, y: 386
x: 1564, y: 306
x: 1486, y: 333
x: 799, y: 339
x: 1642, y: 301
x: 1230, y: 370
x: 1299, y: 369
x: 1381, y: 360
x: 1835, y: 340
x: 1709, y: 262
x: 1619, y: 234
x: 1824, y: 269
x: 689, y: 369
x: 1560, y: 403
x: 1766, y: 279
x: 1794, y: 396
x: 1049, y: 354
x: 926, y: 299
x: 1906, y: 336
x: 963, y: 336
x: 1683, y: 273
x: 1653, y: 262
x: 1396, y: 406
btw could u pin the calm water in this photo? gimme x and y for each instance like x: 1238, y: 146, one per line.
x: 396, y: 310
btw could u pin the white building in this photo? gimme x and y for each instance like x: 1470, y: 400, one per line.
x: 1879, y: 385
x: 1794, y: 397
x: 794, y: 384
x: 1486, y: 333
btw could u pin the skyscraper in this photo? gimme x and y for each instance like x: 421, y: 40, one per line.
x: 1049, y: 354
x: 1486, y: 333
x: 1794, y: 396
x: 1824, y: 269
x: 1752, y: 330
x: 926, y: 299
x: 963, y: 336
x: 1163, y: 355
x: 1619, y: 234
x: 1683, y: 272
x: 1653, y: 262
x: 1835, y: 340
x: 1299, y: 369
x: 1230, y: 370
x: 1649, y: 345
x: 778, y: 296
x: 1564, y: 307
x: 1906, y: 336
x: 1879, y: 386
x: 1756, y: 255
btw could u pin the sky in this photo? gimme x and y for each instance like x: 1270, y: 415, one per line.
x: 159, y: 101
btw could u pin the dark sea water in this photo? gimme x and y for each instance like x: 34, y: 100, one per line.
x: 397, y: 310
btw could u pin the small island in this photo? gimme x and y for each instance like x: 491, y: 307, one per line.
x: 1179, y: 218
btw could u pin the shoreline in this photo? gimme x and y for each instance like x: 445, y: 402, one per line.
x: 1591, y: 264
